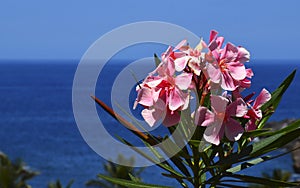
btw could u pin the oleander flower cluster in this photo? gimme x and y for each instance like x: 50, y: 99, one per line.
x: 213, y: 76
x: 202, y: 95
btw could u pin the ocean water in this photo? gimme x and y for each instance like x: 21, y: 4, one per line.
x: 38, y: 126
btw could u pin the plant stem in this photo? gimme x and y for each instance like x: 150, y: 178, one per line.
x: 196, y: 167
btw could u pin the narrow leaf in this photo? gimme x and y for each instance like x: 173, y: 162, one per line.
x: 163, y: 165
x: 133, y: 178
x: 157, y: 60
x: 247, y: 164
x: 269, y: 107
x: 256, y: 133
x: 274, y: 142
x: 262, y: 181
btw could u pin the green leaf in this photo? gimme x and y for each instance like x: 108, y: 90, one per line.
x: 269, y: 107
x: 247, y: 164
x: 273, y: 142
x: 277, y: 140
x: 207, y: 162
x: 291, y: 127
x: 157, y: 60
x: 180, y: 165
x: 154, y: 151
x: 251, y: 163
x: 176, y: 160
x: 170, y: 149
x: 129, y: 183
x: 163, y: 165
x: 195, y: 143
x: 262, y: 181
x: 96, y: 183
x: 133, y: 178
x: 70, y: 184
x: 256, y: 133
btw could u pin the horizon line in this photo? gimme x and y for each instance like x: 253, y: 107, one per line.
x: 74, y: 60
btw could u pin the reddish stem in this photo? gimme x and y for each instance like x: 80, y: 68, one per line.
x: 123, y: 121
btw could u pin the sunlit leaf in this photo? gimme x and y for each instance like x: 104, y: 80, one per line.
x: 274, y: 142
x: 262, y: 181
x: 247, y: 164
x: 269, y: 107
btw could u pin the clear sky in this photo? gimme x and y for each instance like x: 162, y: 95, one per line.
x: 57, y: 29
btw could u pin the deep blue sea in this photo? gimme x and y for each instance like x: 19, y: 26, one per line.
x: 38, y: 126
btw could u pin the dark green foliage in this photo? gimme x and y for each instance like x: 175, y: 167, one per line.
x: 278, y: 174
x: 14, y: 174
x: 117, y: 171
x: 58, y: 184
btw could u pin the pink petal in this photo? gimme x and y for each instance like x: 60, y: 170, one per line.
x: 229, y: 52
x: 250, y: 126
x: 180, y: 54
x: 152, y: 116
x: 171, y: 118
x: 220, y: 41
x: 258, y: 114
x: 170, y: 68
x: 227, y: 82
x: 175, y: 99
x: 214, y: 133
x: 231, y: 47
x: 243, y: 55
x: 213, y: 45
x: 166, y: 68
x: 156, y: 93
x: 186, y: 96
x: 180, y: 63
x: 166, y: 54
x: 237, y: 108
x: 236, y: 93
x: 216, y: 54
x: 237, y: 70
x: 160, y: 103
x: 219, y: 103
x: 262, y: 98
x: 204, y: 117
x: 213, y: 35
x: 183, y: 42
x: 183, y: 81
x: 145, y: 97
x: 153, y: 81
x: 245, y: 83
x: 249, y: 73
x: 233, y: 130
x: 194, y: 64
x: 213, y: 73
x: 159, y: 70
x: 254, y: 114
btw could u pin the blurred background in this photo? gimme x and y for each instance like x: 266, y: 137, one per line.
x: 42, y: 42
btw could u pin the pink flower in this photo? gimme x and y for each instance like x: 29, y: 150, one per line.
x: 164, y: 95
x: 193, y: 59
x: 204, y: 117
x: 169, y: 57
x: 246, y: 82
x: 254, y: 112
x: 226, y: 66
x: 220, y: 122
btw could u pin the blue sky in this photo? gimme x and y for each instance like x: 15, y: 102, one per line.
x: 55, y: 29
